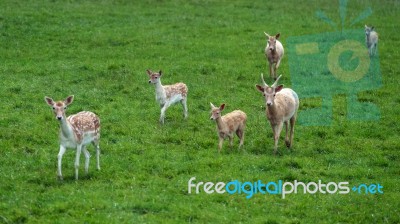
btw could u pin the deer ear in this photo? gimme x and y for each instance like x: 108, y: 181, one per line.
x: 277, y: 35
x: 160, y: 72
x: 49, y: 101
x: 212, y: 105
x: 69, y: 100
x: 278, y: 88
x: 366, y: 26
x: 260, y: 88
x: 149, y: 72
x: 372, y: 28
x: 221, y: 108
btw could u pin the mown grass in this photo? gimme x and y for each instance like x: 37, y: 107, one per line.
x: 99, y: 51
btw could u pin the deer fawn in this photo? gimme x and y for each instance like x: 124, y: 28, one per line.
x: 169, y: 94
x: 76, y: 131
x: 229, y: 124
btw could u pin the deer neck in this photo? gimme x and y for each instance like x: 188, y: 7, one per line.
x: 220, y: 124
x: 160, y: 93
x: 65, y: 128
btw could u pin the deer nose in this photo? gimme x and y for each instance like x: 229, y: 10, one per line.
x: 149, y: 81
x: 59, y: 118
x: 269, y: 103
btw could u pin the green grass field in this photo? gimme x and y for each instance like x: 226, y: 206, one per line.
x: 99, y: 51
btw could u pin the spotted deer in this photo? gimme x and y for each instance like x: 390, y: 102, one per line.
x: 168, y: 95
x: 229, y: 124
x: 274, y: 53
x: 76, y: 131
x: 282, y: 105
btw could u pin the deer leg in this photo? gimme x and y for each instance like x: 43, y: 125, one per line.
x: 78, y: 154
x: 96, y: 145
x: 59, y: 157
x: 271, y: 72
x: 87, y: 159
x: 185, y: 109
x: 240, y: 134
x: 277, y: 131
x: 277, y: 65
x: 292, y: 123
x: 287, y: 134
x: 221, y: 141
x: 163, y: 109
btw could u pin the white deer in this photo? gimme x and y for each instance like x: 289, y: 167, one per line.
x: 371, y: 39
x: 169, y: 94
x: 76, y: 131
x: 282, y: 106
x: 274, y: 53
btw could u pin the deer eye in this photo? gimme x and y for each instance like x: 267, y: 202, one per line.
x: 65, y: 108
x: 274, y: 94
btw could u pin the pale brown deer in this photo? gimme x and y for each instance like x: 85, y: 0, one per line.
x: 229, y: 124
x: 274, y: 53
x: 282, y: 105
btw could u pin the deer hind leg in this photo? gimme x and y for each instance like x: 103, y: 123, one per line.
x: 292, y: 123
x: 287, y: 142
x: 276, y: 66
x: 59, y: 157
x: 240, y: 134
x: 185, y: 109
x: 97, y: 147
x: 87, y: 159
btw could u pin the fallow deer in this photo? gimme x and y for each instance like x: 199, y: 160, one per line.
x: 168, y: 95
x: 76, y: 131
x: 229, y: 124
x: 282, y: 105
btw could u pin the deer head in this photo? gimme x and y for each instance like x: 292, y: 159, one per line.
x: 269, y: 92
x: 59, y: 107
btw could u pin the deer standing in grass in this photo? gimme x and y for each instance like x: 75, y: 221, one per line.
x: 229, y: 124
x: 371, y: 39
x: 76, y: 131
x: 282, y: 105
x: 169, y: 94
x: 274, y: 53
